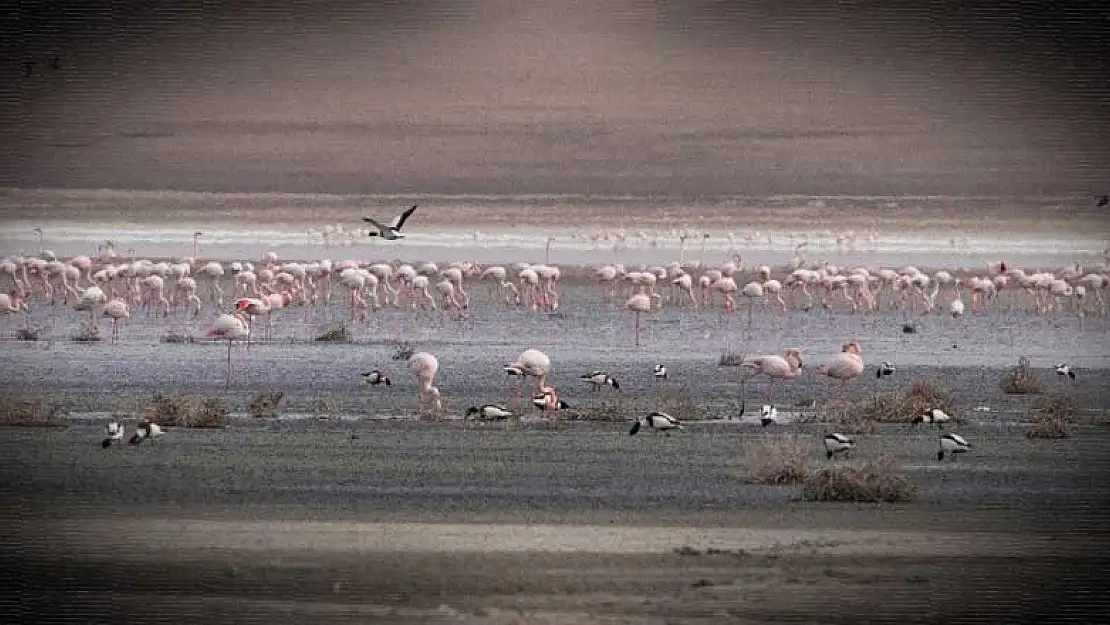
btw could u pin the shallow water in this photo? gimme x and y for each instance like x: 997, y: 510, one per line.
x: 966, y: 355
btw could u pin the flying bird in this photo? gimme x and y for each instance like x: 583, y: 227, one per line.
x: 392, y: 232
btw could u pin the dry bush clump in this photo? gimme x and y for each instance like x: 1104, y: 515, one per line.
x: 27, y: 334
x: 177, y: 337
x: 187, y: 411
x: 325, y: 406
x: 611, y: 409
x: 264, y: 404
x: 904, y: 405
x: 850, y: 417
x: 730, y: 360
x: 1021, y: 380
x: 869, y: 481
x: 85, y: 334
x: 335, y: 334
x: 404, y: 351
x: 781, y: 460
x: 1050, y: 417
x: 23, y: 411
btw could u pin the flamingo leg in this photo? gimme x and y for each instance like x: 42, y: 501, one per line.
x: 227, y: 385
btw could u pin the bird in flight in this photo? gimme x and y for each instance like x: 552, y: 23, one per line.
x: 391, y: 232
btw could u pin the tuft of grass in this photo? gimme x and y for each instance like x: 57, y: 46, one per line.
x: 177, y: 337
x: 404, y: 351
x: 325, y: 406
x: 900, y: 406
x: 1021, y: 380
x: 187, y: 411
x: 1050, y: 417
x: 805, y: 401
x: 781, y: 460
x: 730, y: 360
x: 264, y: 404
x: 868, y: 481
x: 85, y: 334
x: 335, y: 334
x: 24, y: 411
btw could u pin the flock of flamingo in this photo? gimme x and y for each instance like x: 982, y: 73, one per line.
x: 113, y: 287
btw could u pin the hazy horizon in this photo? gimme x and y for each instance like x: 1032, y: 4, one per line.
x: 527, y: 97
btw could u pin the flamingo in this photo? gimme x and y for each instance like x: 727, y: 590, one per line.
x: 638, y: 304
x: 845, y: 366
x: 531, y: 363
x: 229, y: 327
x: 785, y: 367
x: 116, y: 309
x: 425, y: 366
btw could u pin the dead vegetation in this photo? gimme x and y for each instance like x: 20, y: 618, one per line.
x: 1050, y: 416
x: 781, y: 460
x: 25, y: 411
x: 896, y: 406
x: 1021, y: 380
x: 616, y: 407
x: 404, y: 351
x: 865, y: 482
x: 27, y: 334
x: 177, y: 337
x: 325, y: 407
x: 265, y: 404
x: 335, y: 334
x: 730, y: 360
x: 85, y: 334
x: 187, y: 411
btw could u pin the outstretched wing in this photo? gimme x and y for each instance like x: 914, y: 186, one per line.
x: 398, y: 222
x: 373, y: 222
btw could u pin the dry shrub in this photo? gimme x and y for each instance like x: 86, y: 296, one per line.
x: 870, y: 481
x: 1050, y: 417
x: 1021, y: 380
x: 187, y: 411
x: 27, y: 334
x: 612, y: 409
x: 404, y: 351
x: 850, y: 417
x: 903, y: 406
x: 325, y: 406
x: 781, y: 460
x: 681, y: 405
x: 85, y: 334
x: 21, y: 411
x: 335, y: 334
x: 730, y: 360
x: 177, y: 337
x: 264, y: 404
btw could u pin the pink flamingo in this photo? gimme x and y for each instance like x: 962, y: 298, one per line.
x: 116, y: 309
x: 785, y: 367
x: 229, y: 327
x: 425, y: 366
x: 531, y: 363
x: 638, y: 304
x: 845, y: 366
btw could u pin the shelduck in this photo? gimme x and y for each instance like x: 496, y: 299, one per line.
x: 837, y: 443
x: 952, y: 443
x: 376, y: 377
x: 1064, y: 370
x: 768, y: 414
x: 935, y: 415
x: 659, y: 372
x: 884, y: 370
x: 489, y: 411
x: 598, y: 379
x: 115, y: 435
x: 145, y: 430
x: 657, y: 421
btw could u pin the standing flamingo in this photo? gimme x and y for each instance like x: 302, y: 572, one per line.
x: 531, y: 363
x: 425, y: 366
x: 116, y: 309
x: 845, y: 366
x: 785, y: 367
x: 196, y: 243
x: 638, y: 304
x: 229, y: 327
